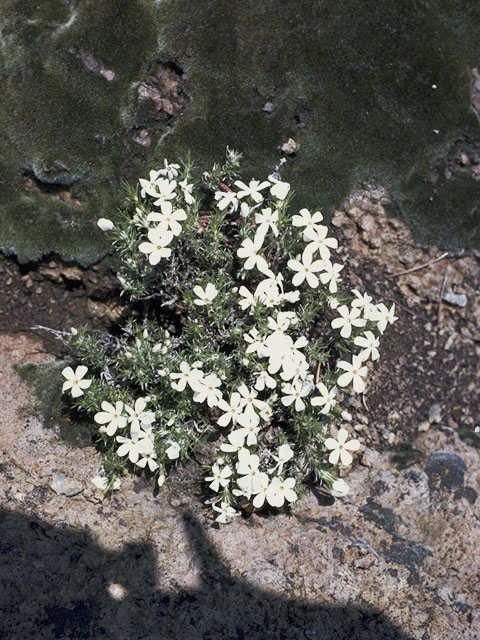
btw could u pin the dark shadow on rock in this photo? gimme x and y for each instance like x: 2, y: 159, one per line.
x: 54, y: 584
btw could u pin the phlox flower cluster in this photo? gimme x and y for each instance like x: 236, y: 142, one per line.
x: 250, y: 370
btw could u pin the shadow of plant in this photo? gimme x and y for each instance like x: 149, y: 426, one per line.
x: 54, y: 585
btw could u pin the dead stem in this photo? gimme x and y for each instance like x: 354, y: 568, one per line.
x: 418, y: 267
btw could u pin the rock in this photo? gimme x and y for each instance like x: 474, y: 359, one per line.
x: 455, y: 299
x: 434, y: 414
x: 370, y: 458
x: 268, y: 107
x: 445, y: 471
x: 63, y: 485
x: 290, y: 147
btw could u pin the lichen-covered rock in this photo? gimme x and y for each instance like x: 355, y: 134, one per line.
x: 96, y: 92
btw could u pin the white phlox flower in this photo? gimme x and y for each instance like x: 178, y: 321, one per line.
x: 74, y: 380
x: 265, y: 380
x: 307, y: 220
x: 259, y: 499
x: 168, y: 218
x: 225, y: 511
x: 169, y: 170
x: 363, y: 302
x: 279, y: 353
x: 285, y: 453
x: 281, y: 490
x: 250, y: 398
x: 248, y: 299
x: 295, y: 393
x: 383, y: 316
x: 249, y: 423
x: 278, y: 189
x: 157, y: 248
x: 369, y: 344
x: 340, y: 488
x: 318, y: 241
x: 354, y: 373
x: 252, y: 190
x: 226, y: 199
x: 326, y: 399
x: 101, y: 482
x: 291, y: 296
x: 249, y: 251
x: 137, y: 414
x: 149, y: 186
x: 297, y: 369
x: 187, y: 375
x: 252, y: 479
x: 266, y: 413
x: 348, y: 318
x: 341, y: 447
x: 129, y: 446
x: 331, y: 275
x: 333, y: 302
x: 164, y: 190
x: 186, y: 190
x: 256, y: 342
x: 105, y: 224
x: 208, y: 390
x: 173, y: 451
x: 205, y: 296
x: 146, y: 438
x: 220, y: 477
x: 283, y: 321
x: 236, y: 440
x: 232, y: 410
x: 267, y: 219
x: 268, y: 293
x: 148, y: 459
x: 306, y: 270
x: 111, y: 418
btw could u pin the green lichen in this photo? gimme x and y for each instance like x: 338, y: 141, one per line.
x: 45, y: 382
x: 53, y: 108
x: 351, y: 82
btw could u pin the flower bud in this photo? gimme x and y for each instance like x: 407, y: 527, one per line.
x: 105, y: 224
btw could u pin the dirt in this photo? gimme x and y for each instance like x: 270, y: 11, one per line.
x: 58, y: 296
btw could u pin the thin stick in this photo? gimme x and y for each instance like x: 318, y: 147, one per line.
x: 418, y: 267
x: 223, y: 186
x: 365, y: 403
x: 442, y: 289
x: 317, y: 373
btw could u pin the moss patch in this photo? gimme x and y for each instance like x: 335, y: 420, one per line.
x: 70, y: 72
x: 45, y: 382
x: 353, y: 84
x: 372, y: 91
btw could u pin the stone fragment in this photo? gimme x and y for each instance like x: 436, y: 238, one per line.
x: 455, y: 299
x: 445, y: 471
x: 370, y: 458
x: 435, y: 414
x: 63, y: 485
x: 290, y: 147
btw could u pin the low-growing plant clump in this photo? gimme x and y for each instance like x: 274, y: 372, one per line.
x: 263, y: 348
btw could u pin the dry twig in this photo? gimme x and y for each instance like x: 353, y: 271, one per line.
x: 442, y: 289
x: 419, y: 266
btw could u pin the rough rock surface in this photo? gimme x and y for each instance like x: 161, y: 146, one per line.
x: 395, y: 559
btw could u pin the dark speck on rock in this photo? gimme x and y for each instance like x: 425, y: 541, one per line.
x: 445, y: 471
